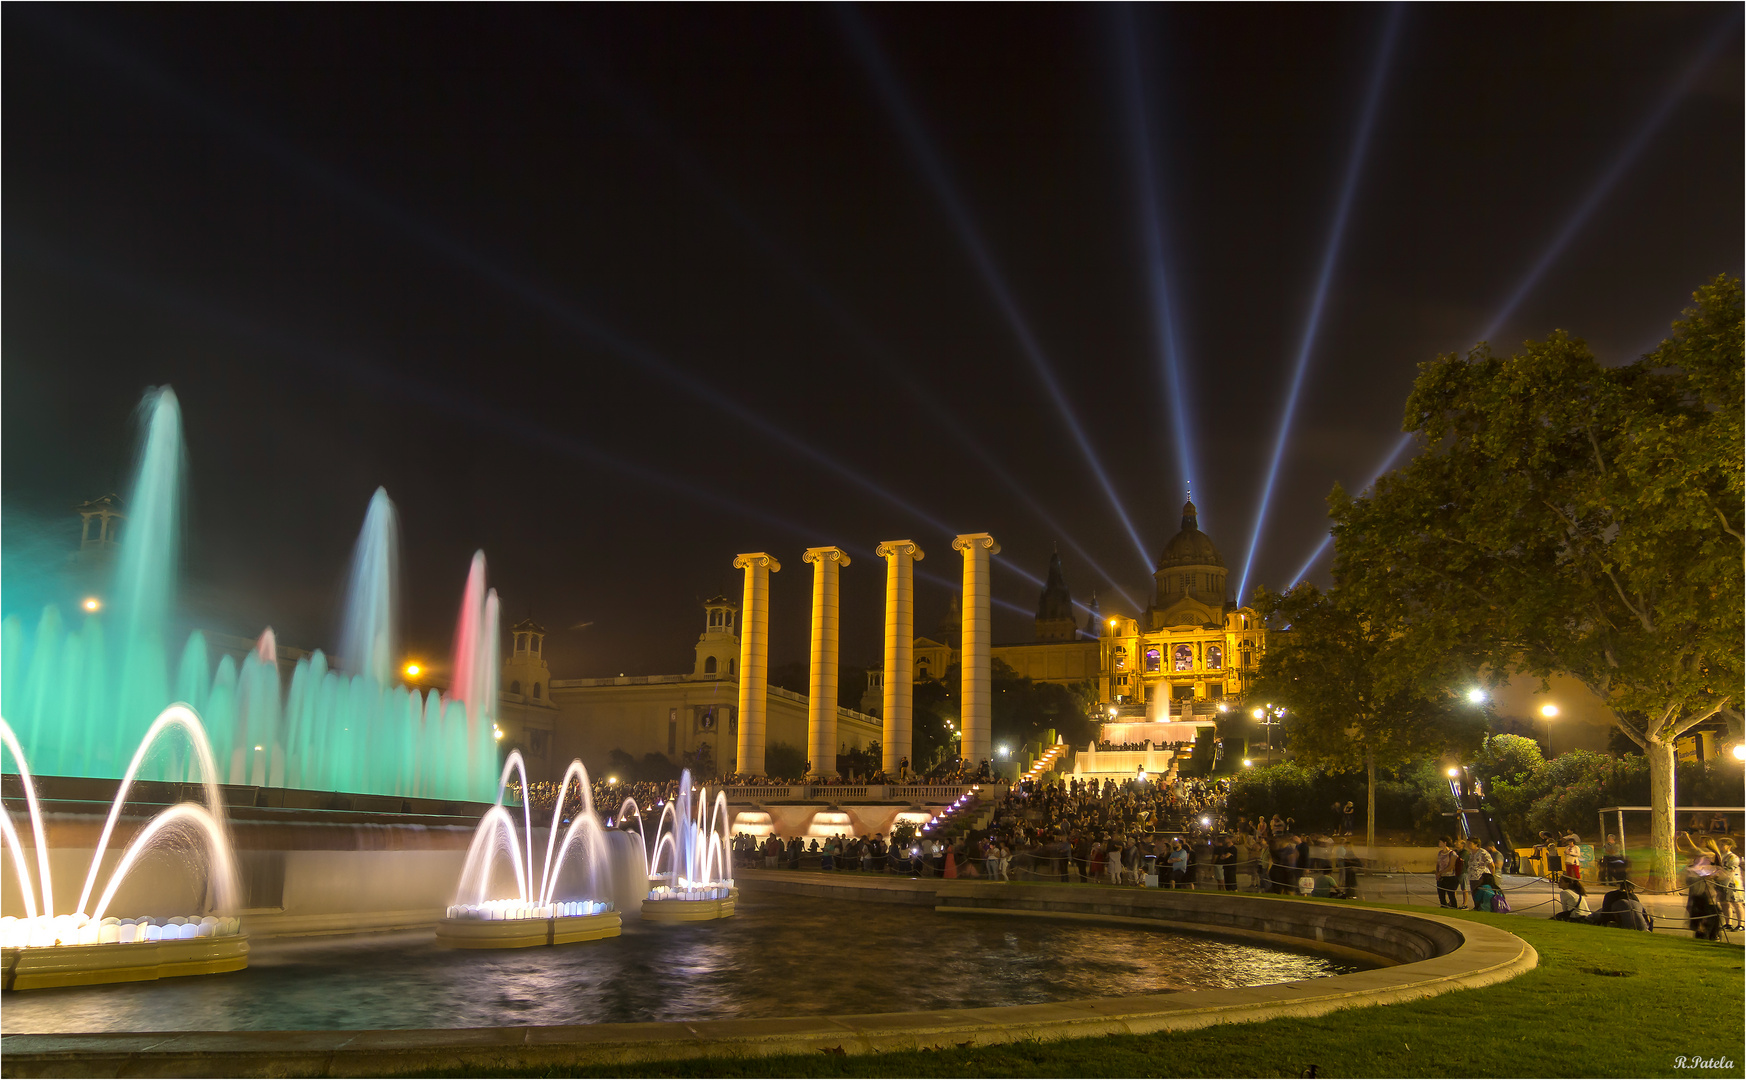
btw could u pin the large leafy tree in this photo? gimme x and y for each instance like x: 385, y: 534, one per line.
x: 1563, y: 515
x: 1335, y: 670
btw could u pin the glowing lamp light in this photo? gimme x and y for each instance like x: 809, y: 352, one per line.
x: 1247, y: 763
x: 412, y: 670
x: 612, y: 781
x: 92, y: 604
x: 1548, y: 711
x: 496, y: 732
x: 1740, y: 752
x: 260, y: 748
x: 1454, y: 772
x: 1258, y: 713
x: 1223, y: 707
x: 1476, y: 696
x: 1112, y: 711
x: 1206, y: 821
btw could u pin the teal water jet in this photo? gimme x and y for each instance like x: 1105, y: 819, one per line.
x: 81, y: 692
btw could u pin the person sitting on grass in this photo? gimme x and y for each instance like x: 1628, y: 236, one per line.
x: 1485, y: 893
x: 1621, y: 908
x: 1572, y: 901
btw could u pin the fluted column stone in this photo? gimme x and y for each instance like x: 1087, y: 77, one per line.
x: 899, y: 705
x: 975, y: 698
x: 821, y: 719
x: 754, y: 659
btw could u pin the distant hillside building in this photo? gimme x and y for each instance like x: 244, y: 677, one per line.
x: 682, y: 716
x: 1191, y: 644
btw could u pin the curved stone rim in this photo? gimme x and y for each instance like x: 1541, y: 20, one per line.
x: 1481, y: 955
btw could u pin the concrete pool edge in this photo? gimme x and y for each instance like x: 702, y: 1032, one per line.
x: 1466, y: 955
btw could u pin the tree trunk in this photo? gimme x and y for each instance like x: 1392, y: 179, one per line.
x: 1662, y: 872
x: 1370, y: 805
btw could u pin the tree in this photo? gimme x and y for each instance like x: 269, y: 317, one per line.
x: 1333, y: 668
x: 1567, y: 516
x: 784, y: 761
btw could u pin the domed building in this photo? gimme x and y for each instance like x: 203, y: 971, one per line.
x: 1192, y: 647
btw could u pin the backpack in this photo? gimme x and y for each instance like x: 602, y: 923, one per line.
x: 1500, y: 905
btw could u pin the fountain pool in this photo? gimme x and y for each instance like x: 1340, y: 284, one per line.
x: 779, y: 956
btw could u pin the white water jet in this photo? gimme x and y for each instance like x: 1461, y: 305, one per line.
x: 43, y: 926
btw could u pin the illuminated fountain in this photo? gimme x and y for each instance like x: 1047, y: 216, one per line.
x: 692, y: 841
x: 80, y: 690
x: 483, y: 917
x: 84, y: 946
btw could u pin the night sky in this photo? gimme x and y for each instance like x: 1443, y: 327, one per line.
x: 615, y: 293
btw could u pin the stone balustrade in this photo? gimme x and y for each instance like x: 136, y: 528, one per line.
x: 874, y: 793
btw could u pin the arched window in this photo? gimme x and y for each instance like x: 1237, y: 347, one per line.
x: 1215, y: 657
x: 515, y: 687
x: 1121, y: 658
x: 921, y: 669
x: 709, y: 665
x: 536, y: 691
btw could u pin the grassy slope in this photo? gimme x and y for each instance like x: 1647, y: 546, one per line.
x: 1601, y: 1003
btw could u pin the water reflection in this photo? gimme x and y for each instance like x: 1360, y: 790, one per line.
x: 779, y: 956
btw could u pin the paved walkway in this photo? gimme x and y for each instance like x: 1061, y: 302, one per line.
x: 1529, y: 896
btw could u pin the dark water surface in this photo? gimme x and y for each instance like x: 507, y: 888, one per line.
x: 779, y: 956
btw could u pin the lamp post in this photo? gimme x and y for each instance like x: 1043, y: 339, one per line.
x: 1269, y: 716
x: 1550, y: 712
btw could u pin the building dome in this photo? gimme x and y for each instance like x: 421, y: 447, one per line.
x: 1190, y: 547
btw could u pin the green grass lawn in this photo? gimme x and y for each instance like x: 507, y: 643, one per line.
x: 1602, y: 1002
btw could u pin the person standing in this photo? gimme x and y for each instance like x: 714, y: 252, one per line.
x: 1448, y: 873
x: 1224, y: 856
x: 1727, y: 878
x: 1573, y: 857
x: 1346, y: 813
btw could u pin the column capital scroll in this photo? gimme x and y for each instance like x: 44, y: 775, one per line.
x: 756, y: 558
x: 820, y: 554
x: 891, y: 548
x: 969, y: 540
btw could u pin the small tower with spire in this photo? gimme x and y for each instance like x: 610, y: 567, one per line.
x: 526, y: 677
x: 718, y: 647
x: 1055, y: 621
x: 1094, y: 620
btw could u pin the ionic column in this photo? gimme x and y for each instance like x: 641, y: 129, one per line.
x: 973, y: 659
x: 821, y: 720
x: 754, y: 658
x: 900, y: 558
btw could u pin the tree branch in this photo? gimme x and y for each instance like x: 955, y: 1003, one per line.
x: 1725, y: 526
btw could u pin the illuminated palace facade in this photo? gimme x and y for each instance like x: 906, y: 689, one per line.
x: 1191, y: 645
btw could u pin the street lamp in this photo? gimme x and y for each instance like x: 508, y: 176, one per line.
x: 1476, y: 696
x: 412, y: 670
x: 92, y: 604
x: 1740, y: 752
x: 1247, y: 763
x: 1550, y: 712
